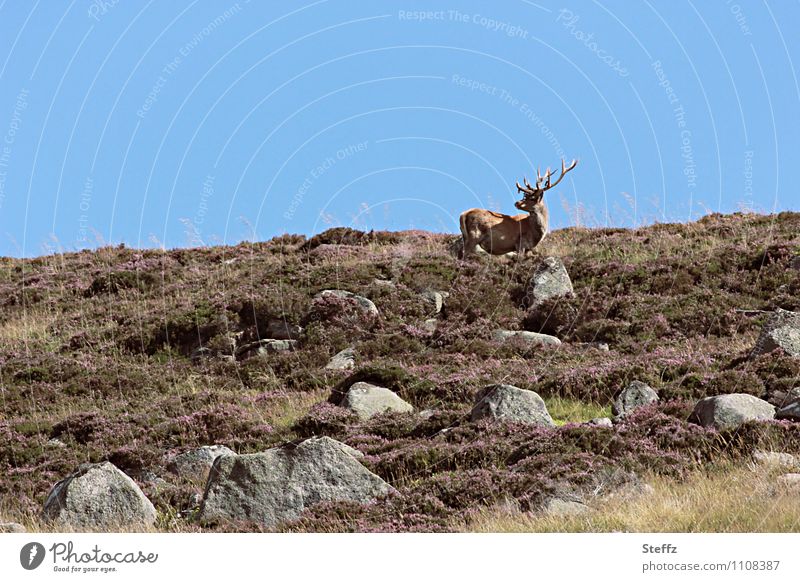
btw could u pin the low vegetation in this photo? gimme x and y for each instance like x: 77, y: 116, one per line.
x: 101, y: 359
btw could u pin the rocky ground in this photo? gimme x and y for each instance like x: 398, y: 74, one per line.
x: 375, y: 382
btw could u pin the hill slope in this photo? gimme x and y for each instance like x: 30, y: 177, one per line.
x: 99, y: 360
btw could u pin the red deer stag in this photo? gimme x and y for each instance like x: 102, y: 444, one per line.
x: 498, y: 234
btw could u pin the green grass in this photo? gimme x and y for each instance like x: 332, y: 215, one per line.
x: 566, y: 410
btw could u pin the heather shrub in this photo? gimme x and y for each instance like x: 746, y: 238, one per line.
x: 97, y: 368
x: 324, y: 419
x: 432, y: 271
x: 116, y: 281
x: 186, y: 330
x: 556, y: 316
x: 342, y: 235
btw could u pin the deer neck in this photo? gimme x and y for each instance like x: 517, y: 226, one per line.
x: 539, y: 215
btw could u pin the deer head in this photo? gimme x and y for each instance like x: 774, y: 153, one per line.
x: 533, y: 195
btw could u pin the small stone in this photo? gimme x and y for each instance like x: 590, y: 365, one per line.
x: 430, y: 325
x: 282, y: 330
x: 200, y: 353
x: 789, y: 412
x: 531, y: 337
x: 386, y: 283
x: 564, y: 507
x: 635, y: 395
x: 601, y: 421
x: 504, y: 402
x: 98, y: 496
x: 601, y: 346
x: 549, y: 280
x: 344, y: 360
x: 11, y: 527
x: 364, y: 304
x: 264, y: 347
x: 782, y: 330
x: 731, y: 410
x: 367, y: 400
x: 434, y: 299
x: 790, y: 481
x: 774, y: 459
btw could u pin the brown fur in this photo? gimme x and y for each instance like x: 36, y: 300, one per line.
x: 498, y: 234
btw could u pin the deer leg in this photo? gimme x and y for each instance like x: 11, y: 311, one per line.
x: 470, y: 245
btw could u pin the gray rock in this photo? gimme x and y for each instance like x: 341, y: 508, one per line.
x: 790, y: 481
x: 782, y: 330
x: 367, y: 400
x: 501, y: 402
x: 11, y: 527
x: 635, y: 395
x: 631, y: 490
x: 601, y: 346
x: 601, y: 421
x: 430, y: 325
x: 549, y: 280
x: 264, y: 347
x: 789, y: 412
x: 564, y: 507
x: 531, y: 337
x: 731, y: 410
x: 434, y: 299
x: 344, y: 360
x: 200, y: 353
x: 774, y: 459
x: 364, y: 304
x: 195, y: 465
x: 283, y: 330
x: 98, y: 496
x: 278, y: 484
x: 278, y: 328
x: 386, y: 283
x: 782, y: 397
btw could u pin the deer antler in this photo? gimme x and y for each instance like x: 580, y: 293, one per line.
x: 564, y: 170
x: 528, y: 189
x: 543, y: 183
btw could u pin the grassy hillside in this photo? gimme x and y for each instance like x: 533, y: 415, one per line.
x: 96, y: 362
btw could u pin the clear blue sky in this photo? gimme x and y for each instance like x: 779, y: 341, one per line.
x: 191, y: 123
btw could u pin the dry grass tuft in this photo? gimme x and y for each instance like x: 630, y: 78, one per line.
x: 725, y: 500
